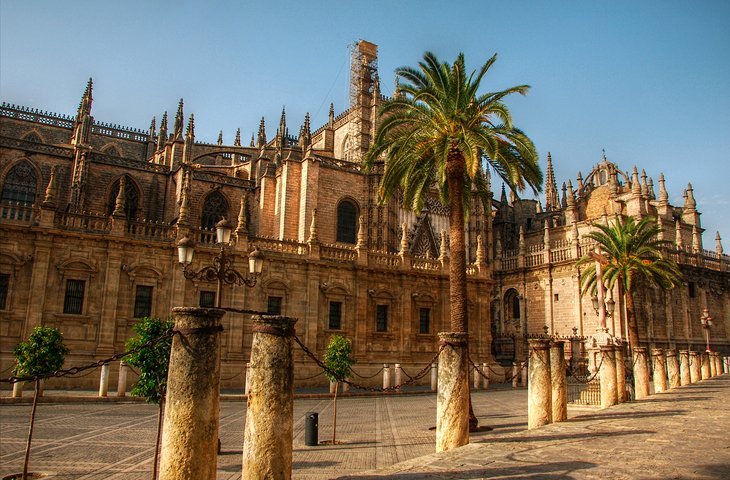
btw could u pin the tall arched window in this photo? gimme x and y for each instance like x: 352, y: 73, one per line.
x: 131, y: 198
x: 347, y: 222
x: 215, y: 207
x: 20, y: 184
x: 516, y: 306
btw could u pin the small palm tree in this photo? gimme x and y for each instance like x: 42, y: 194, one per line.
x: 438, y: 131
x: 631, y: 250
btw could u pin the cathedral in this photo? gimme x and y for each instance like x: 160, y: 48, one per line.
x: 91, y: 214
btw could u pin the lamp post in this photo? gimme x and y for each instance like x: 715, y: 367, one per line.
x: 706, y: 321
x: 221, y: 267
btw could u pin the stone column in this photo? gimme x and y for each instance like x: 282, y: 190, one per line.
x: 122, y: 379
x: 523, y: 374
x: 398, y: 375
x: 718, y: 362
x: 673, y: 368
x: 434, y: 376
x: 609, y: 394
x: 620, y: 374
x: 684, y: 369
x: 641, y: 373
x: 18, y: 389
x: 104, y: 380
x: 485, y: 379
x: 539, y: 387
x: 713, y: 365
x: 41, y: 386
x: 452, y: 400
x: 704, y: 365
x: 660, y: 370
x: 515, y: 375
x: 694, y: 367
x: 248, y: 378
x: 477, y: 378
x: 268, y: 434
x: 386, y: 376
x: 559, y: 382
x: 190, y: 431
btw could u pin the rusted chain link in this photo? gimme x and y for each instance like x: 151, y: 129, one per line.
x: 364, y: 377
x: 588, y: 378
x: 507, y: 378
x: 99, y: 363
x: 394, y: 388
x: 310, y: 377
x: 231, y: 378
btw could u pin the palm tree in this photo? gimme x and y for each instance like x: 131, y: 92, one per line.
x: 631, y: 250
x: 437, y: 130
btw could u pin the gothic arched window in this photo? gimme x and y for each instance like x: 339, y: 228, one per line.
x: 131, y: 198
x: 20, y: 184
x: 516, y: 306
x: 347, y: 222
x: 214, y: 208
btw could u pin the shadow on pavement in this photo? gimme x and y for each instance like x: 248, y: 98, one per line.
x: 555, y: 470
x: 718, y: 471
x: 567, y: 436
x: 612, y: 416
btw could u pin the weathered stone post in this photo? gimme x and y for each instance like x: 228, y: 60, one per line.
x: 398, y: 375
x: 346, y: 386
x: 609, y: 394
x: 122, y: 379
x: 704, y: 366
x: 434, y: 376
x: 620, y: 374
x: 684, y: 368
x: 539, y: 387
x: 718, y: 364
x: 559, y: 382
x: 268, y: 434
x: 248, y: 378
x: 477, y: 378
x: 190, y: 431
x: 386, y: 376
x: 694, y: 367
x: 452, y: 400
x: 713, y: 365
x: 673, y: 368
x: 515, y: 375
x: 641, y: 373
x: 660, y: 370
x: 485, y: 371
x: 41, y: 386
x: 523, y: 374
x: 18, y: 389
x: 104, y: 380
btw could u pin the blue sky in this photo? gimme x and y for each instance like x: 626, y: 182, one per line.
x: 648, y: 81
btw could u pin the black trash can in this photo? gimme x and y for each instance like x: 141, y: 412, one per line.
x: 311, y: 429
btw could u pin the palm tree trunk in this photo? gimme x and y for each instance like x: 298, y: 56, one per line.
x: 631, y: 318
x: 160, y: 413
x: 30, y: 430
x: 334, y: 415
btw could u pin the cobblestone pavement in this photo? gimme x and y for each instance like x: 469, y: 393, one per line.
x: 681, y: 434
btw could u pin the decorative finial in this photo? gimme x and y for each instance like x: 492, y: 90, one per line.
x: 313, y: 228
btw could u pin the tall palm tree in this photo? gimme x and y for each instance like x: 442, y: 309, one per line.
x: 437, y: 130
x: 632, y: 251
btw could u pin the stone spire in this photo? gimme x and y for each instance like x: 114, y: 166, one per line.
x: 153, y: 130
x: 190, y: 133
x: 551, y: 188
x: 663, y: 195
x: 282, y: 131
x: 121, y: 198
x: 580, y: 182
x: 52, y: 189
x: 253, y: 143
x: 162, y: 138
x: 261, y: 139
x: 652, y: 195
x: 220, y: 137
x: 718, y: 244
x: 86, y: 100
x: 571, y: 195
x: 503, y: 196
x: 331, y: 118
x: 644, y: 185
x: 182, y: 218
x: 613, y: 183
x: 480, y: 250
x: 403, y: 239
x: 564, y: 200
x: 237, y: 140
x: 361, y: 233
x: 546, y: 235
x: 84, y: 121
x: 689, y: 201
x: 313, y: 228
x: 241, y: 228
x: 538, y: 207
x: 179, y: 119
x: 678, y: 235
x: 696, y: 240
x: 305, y: 138
x: 635, y: 185
x: 660, y: 227
x: 521, y: 244
x: 443, y: 252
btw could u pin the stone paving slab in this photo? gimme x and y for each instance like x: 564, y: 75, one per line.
x: 680, y: 434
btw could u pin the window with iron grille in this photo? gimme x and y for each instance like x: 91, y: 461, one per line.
x: 20, y: 184
x: 143, y: 301
x: 424, y: 316
x: 73, y: 302
x: 215, y: 207
x: 335, y: 320
x: 207, y: 299
x: 4, y: 283
x: 273, y: 306
x: 381, y: 318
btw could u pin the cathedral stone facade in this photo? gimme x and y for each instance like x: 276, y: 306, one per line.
x: 91, y: 212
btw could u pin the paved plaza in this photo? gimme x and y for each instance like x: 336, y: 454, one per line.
x: 681, y: 434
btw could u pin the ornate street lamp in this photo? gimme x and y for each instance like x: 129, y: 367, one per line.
x: 706, y: 321
x: 221, y: 267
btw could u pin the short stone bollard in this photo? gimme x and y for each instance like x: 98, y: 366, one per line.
x: 539, y: 386
x: 190, y: 431
x: 434, y: 376
x: 104, y: 380
x: 398, y: 376
x: 673, y: 368
x: 452, y: 400
x: 641, y: 373
x: 515, y: 375
x: 609, y: 393
x: 620, y: 374
x: 346, y: 385
x: 559, y: 382
x: 704, y: 366
x: 685, y: 377
x: 248, y: 378
x: 713, y: 365
x: 268, y: 434
x: 476, y: 377
x: 523, y: 375
x: 718, y: 362
x: 660, y: 370
x: 122, y: 379
x: 41, y: 386
x: 694, y: 367
x: 485, y: 378
x: 18, y: 389
x: 386, y: 376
